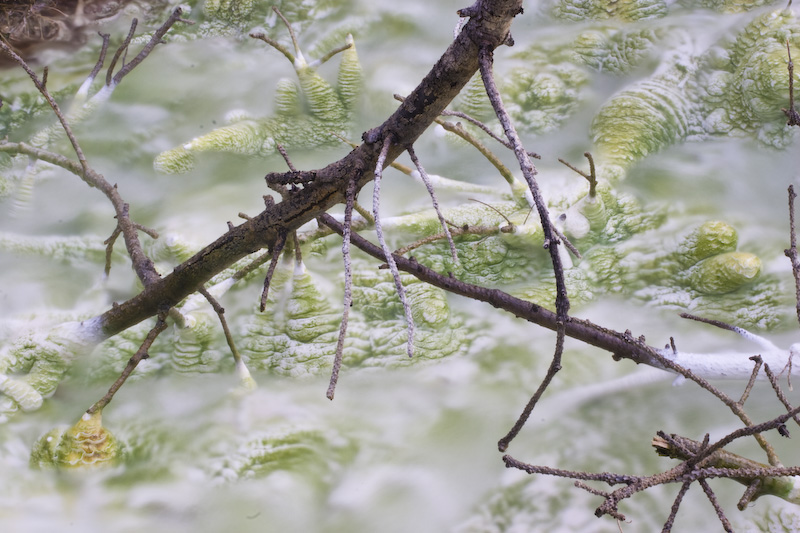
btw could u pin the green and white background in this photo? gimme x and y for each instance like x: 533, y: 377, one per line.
x: 408, y: 445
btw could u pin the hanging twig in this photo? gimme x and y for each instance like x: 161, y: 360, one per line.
x: 237, y: 357
x: 791, y: 252
x: 376, y: 202
x: 350, y: 200
x: 277, y: 248
x: 550, y: 242
x: 432, y: 192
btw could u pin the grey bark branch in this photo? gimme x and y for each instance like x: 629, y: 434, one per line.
x: 489, y: 26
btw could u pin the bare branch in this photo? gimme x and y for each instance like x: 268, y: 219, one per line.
x: 288, y: 27
x: 237, y: 357
x: 277, y: 248
x: 376, y: 202
x: 713, y: 499
x: 101, y: 58
x: 120, y: 50
x: 134, y: 361
x: 791, y: 113
x: 348, y: 288
x: 275, y: 44
x: 154, y: 40
x: 485, y: 128
x: 676, y: 504
x: 751, y: 382
x: 285, y: 156
x: 432, y: 192
x: 591, y: 177
x: 551, y: 243
x: 791, y: 252
x: 773, y: 380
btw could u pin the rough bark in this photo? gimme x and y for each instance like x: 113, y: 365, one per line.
x: 489, y: 25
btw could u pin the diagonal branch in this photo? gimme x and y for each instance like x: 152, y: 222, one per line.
x: 141, y: 353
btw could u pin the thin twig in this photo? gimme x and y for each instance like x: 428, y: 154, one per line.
x: 493, y: 208
x: 376, y: 202
x: 120, y: 49
x: 752, y: 381
x: 567, y: 243
x: 485, y: 61
x: 591, y: 177
x: 676, y: 504
x: 486, y: 129
x: 110, y: 248
x: 151, y: 44
x: 713, y: 499
x: 50, y: 100
x: 467, y: 230
x: 364, y: 212
x: 274, y: 44
x: 457, y: 129
x: 555, y: 366
x: 237, y: 357
x: 791, y: 113
x: 791, y: 252
x: 432, y: 192
x: 773, y: 380
x: 348, y: 287
x: 288, y: 27
x: 140, y: 354
x: 101, y: 58
x: 326, y: 57
x: 282, y: 151
x: 277, y: 248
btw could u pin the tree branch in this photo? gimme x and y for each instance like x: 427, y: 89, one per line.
x: 488, y: 27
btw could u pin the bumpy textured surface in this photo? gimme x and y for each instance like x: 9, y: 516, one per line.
x: 86, y: 444
x: 305, y: 117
